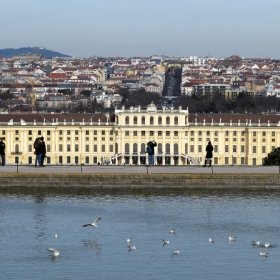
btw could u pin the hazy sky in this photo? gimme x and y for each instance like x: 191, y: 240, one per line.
x: 84, y: 28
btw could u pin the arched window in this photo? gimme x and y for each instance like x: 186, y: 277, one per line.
x: 135, y: 120
x: 176, y: 149
x: 176, y: 120
x: 143, y: 120
x: 159, y: 120
x: 143, y: 148
x: 151, y: 120
x: 167, y: 120
x: 167, y: 148
x: 16, y: 148
x: 135, y: 148
x: 126, y: 120
x: 159, y: 148
x: 126, y: 148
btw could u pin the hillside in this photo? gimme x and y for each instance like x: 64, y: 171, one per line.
x: 34, y: 50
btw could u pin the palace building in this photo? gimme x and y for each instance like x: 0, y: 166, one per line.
x: 121, y: 138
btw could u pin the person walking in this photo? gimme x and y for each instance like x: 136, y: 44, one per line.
x: 209, y: 154
x: 2, y: 151
x: 43, y: 150
x: 151, y: 151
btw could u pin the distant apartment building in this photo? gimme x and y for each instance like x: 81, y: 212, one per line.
x: 28, y: 57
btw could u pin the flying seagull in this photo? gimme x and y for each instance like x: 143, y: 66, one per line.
x: 55, y: 252
x: 94, y: 224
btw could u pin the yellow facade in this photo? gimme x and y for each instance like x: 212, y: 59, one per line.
x: 129, y: 72
x: 181, y: 137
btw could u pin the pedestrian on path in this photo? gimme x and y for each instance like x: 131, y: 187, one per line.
x: 151, y: 151
x: 209, y: 154
x: 2, y: 151
x: 43, y: 151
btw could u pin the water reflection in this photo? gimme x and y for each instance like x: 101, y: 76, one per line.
x: 93, y: 245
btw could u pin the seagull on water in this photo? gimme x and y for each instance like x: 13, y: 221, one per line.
x: 211, y: 239
x: 231, y: 238
x: 165, y: 242
x: 94, y: 224
x: 172, y: 231
x: 128, y: 240
x: 263, y: 254
x: 255, y: 242
x: 55, y: 236
x: 55, y: 252
x: 175, y: 252
x: 267, y: 245
x: 132, y: 248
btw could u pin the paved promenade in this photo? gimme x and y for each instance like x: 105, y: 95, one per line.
x: 121, y: 169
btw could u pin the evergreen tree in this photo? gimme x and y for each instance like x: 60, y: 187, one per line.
x: 273, y: 158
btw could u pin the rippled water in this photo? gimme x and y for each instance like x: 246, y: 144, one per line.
x: 29, y: 220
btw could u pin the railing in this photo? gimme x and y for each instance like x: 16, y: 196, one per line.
x: 234, y: 124
x: 56, y: 123
x: 16, y: 153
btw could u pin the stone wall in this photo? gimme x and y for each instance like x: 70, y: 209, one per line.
x: 139, y: 181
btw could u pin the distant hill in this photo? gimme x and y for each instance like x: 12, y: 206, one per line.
x: 35, y: 50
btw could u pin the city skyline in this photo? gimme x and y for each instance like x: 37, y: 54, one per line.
x: 124, y: 28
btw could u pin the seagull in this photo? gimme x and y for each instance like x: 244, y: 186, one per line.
x: 231, y: 238
x: 267, y: 245
x: 175, y: 252
x: 263, y: 254
x: 94, y: 224
x: 172, y: 231
x: 128, y: 240
x: 165, y: 242
x: 55, y: 252
x: 132, y: 248
x: 55, y: 236
x: 255, y: 242
x: 211, y: 239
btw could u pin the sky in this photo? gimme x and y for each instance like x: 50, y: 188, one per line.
x: 85, y: 28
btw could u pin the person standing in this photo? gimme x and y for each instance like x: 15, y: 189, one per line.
x: 209, y: 154
x: 2, y: 151
x: 38, y: 151
x: 43, y: 151
x: 151, y: 151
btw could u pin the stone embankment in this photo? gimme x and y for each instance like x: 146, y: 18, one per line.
x: 140, y: 177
